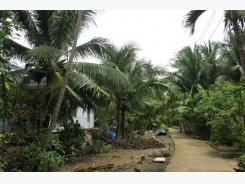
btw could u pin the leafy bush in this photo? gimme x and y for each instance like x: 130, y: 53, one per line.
x: 71, y: 136
x: 56, y: 145
x: 19, y: 137
x: 165, y: 127
x: 96, y: 135
x: 241, y: 162
x: 241, y: 140
x: 99, y: 146
x: 3, y: 153
x: 35, y: 159
x: 50, y: 161
x: 224, y: 131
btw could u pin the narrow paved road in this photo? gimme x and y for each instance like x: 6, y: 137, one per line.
x: 192, y: 155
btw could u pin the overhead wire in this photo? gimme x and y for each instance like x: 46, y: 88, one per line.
x: 204, y: 32
x: 207, y: 26
x: 217, y: 25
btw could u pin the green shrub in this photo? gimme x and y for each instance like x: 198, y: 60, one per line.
x: 3, y: 153
x: 241, y: 162
x: 35, y: 159
x: 50, y: 161
x: 106, y: 148
x: 165, y: 127
x: 19, y: 137
x: 95, y: 135
x: 70, y: 136
x: 241, y: 141
x: 99, y: 146
x: 225, y: 131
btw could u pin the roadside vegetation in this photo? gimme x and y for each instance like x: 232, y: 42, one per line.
x: 204, y: 95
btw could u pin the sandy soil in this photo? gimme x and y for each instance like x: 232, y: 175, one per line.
x: 126, y: 160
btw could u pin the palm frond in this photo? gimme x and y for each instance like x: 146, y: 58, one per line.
x: 75, y: 96
x: 15, y: 49
x: 95, y: 48
x: 91, y: 69
x: 190, y: 19
x: 29, y: 26
x: 44, y: 55
x: 78, y: 81
x: 63, y: 23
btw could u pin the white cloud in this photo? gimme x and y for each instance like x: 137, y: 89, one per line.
x: 158, y: 33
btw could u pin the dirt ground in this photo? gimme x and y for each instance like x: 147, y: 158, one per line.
x: 126, y: 160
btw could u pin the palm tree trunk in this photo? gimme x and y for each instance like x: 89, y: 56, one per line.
x: 240, y: 43
x: 63, y: 87
x: 118, y: 122
x: 123, y: 121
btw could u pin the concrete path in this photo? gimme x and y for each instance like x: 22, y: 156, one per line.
x: 193, y: 155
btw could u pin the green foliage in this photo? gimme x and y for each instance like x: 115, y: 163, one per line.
x: 99, y: 146
x: 35, y: 159
x: 165, y: 127
x: 129, y: 128
x: 30, y: 156
x: 50, y: 161
x: 3, y: 153
x: 217, y: 114
x: 96, y: 135
x: 71, y: 136
x: 227, y: 122
x: 241, y: 162
x: 55, y: 144
x: 159, y: 121
x: 183, y: 113
x: 19, y: 136
x: 222, y: 131
x: 7, y: 28
x: 240, y: 139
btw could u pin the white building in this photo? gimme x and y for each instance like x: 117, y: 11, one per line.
x: 85, y: 119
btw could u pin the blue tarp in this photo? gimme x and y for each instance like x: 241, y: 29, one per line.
x: 111, y: 135
x: 160, y: 132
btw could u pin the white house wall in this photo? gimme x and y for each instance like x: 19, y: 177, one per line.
x: 84, y: 119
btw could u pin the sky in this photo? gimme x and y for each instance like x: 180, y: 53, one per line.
x: 159, y: 34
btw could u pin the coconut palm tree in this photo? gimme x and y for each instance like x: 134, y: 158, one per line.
x: 210, y: 69
x: 230, y: 63
x: 66, y: 77
x: 202, y: 65
x: 122, y: 59
x: 144, y: 83
x: 146, y: 92
x: 234, y: 21
x: 189, y: 63
x: 50, y: 35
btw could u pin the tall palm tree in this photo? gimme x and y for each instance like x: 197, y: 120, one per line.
x: 50, y: 34
x: 122, y: 59
x: 198, y: 66
x: 234, y: 20
x: 147, y: 90
x: 143, y: 77
x: 230, y: 64
x: 189, y: 63
x: 210, y: 68
x: 63, y: 87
